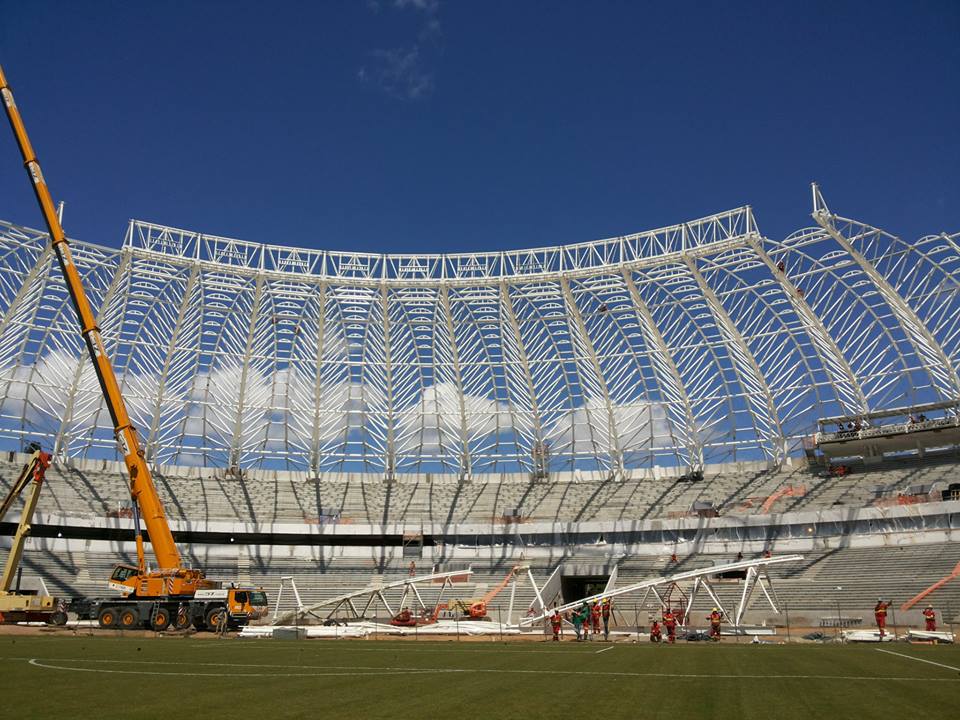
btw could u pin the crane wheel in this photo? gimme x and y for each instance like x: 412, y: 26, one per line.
x: 182, y: 621
x: 58, y: 618
x: 161, y: 620
x: 128, y: 619
x: 215, y: 618
x: 107, y: 618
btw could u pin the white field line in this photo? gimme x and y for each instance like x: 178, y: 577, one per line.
x: 346, y: 672
x: 911, y: 657
x: 326, y: 670
x: 604, y: 650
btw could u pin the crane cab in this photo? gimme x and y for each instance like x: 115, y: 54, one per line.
x: 129, y: 581
x: 123, y: 579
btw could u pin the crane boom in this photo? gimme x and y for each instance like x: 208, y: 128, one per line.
x: 149, y: 598
x: 142, y: 489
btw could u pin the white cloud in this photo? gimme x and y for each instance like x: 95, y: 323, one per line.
x: 403, y: 72
x: 433, y: 425
x: 400, y: 73
x: 428, y: 6
x: 637, y: 427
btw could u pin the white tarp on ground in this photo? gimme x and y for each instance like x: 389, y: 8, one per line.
x: 866, y: 636
x: 944, y: 637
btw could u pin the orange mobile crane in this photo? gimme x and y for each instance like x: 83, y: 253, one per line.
x: 172, y: 592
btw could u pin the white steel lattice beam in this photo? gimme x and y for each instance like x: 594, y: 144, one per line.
x: 185, y: 304
x: 28, y: 285
x: 927, y: 347
x: 390, y: 456
x: 744, y: 363
x: 318, y: 380
x: 508, y: 310
x: 33, y: 283
x: 237, y: 440
x: 465, y: 464
x: 593, y: 367
x: 849, y: 390
x: 668, y: 376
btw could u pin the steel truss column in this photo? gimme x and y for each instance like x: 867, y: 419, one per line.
x: 390, y: 457
x: 237, y: 438
x: 748, y: 586
x: 927, y: 347
x: 833, y: 359
x: 665, y: 369
x: 744, y: 362
x: 185, y: 302
x: 465, y: 460
x: 62, y: 437
x: 702, y: 582
x: 616, y: 454
x: 756, y: 577
x: 507, y: 303
x: 318, y: 382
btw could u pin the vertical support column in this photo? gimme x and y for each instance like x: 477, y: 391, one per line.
x: 848, y: 389
x: 668, y: 375
x: 62, y: 439
x: 235, y: 442
x: 748, y: 584
x: 507, y: 304
x: 937, y: 364
x: 185, y: 303
x: 586, y: 346
x: 318, y: 381
x: 390, y: 458
x: 465, y: 461
x: 744, y: 363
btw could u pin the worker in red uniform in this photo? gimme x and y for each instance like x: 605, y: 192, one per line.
x: 605, y: 614
x: 595, y: 617
x: 715, y: 617
x: 556, y: 624
x: 655, y: 635
x: 880, y: 615
x: 670, y: 623
x: 930, y: 617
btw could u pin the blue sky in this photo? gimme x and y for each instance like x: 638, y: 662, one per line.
x: 433, y: 125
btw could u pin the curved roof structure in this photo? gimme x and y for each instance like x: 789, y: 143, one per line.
x: 676, y: 347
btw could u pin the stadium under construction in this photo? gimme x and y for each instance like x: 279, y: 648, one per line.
x: 598, y: 414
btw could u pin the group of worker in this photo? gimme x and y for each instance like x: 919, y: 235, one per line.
x: 585, y: 618
x: 671, y: 618
x: 880, y: 617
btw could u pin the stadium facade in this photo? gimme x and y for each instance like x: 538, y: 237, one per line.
x: 696, y: 344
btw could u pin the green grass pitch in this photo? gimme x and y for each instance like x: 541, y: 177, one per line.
x: 89, y: 676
